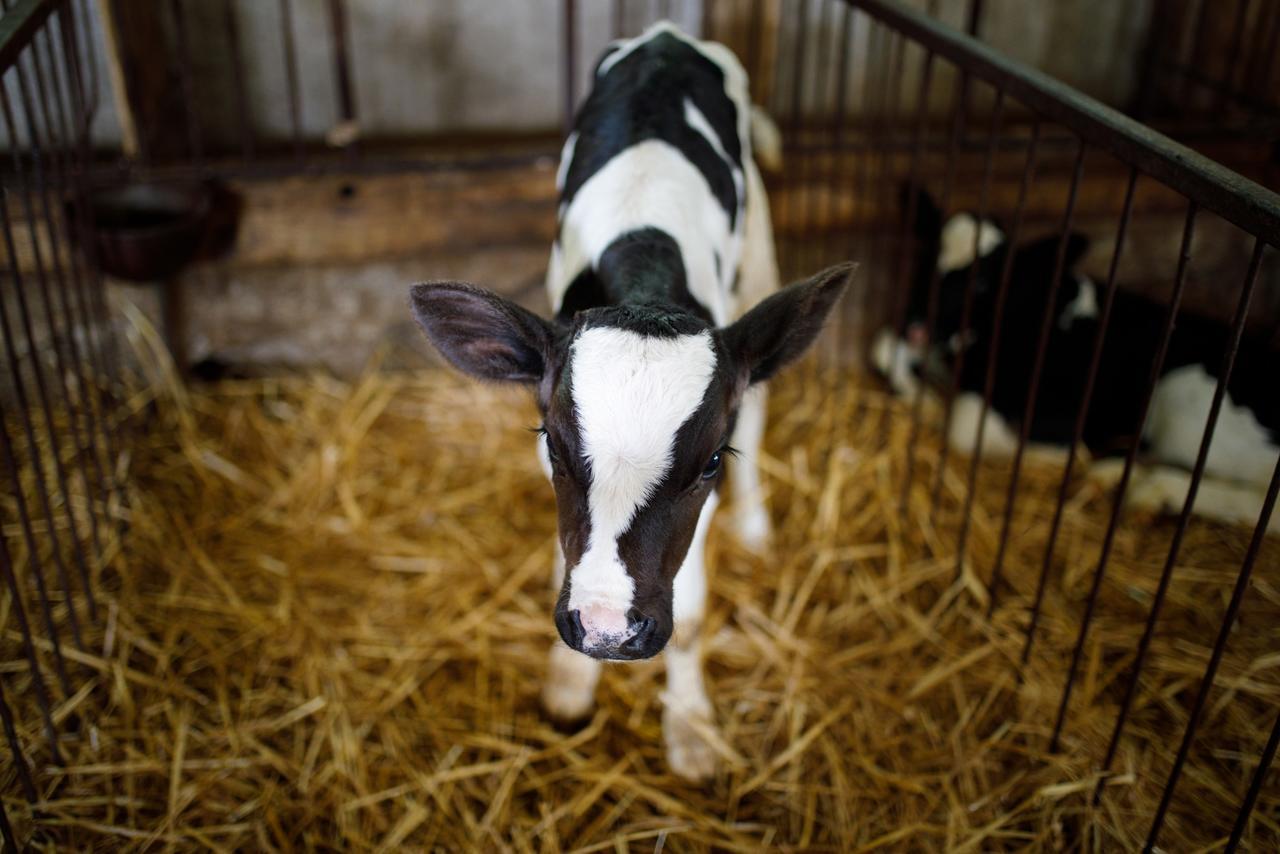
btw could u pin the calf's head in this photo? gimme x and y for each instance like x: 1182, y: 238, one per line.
x: 638, y: 403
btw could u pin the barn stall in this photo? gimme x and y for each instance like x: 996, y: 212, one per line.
x: 275, y: 580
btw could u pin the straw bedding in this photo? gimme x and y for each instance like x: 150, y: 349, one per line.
x: 329, y: 623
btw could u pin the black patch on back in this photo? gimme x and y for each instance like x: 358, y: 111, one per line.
x: 641, y: 279
x: 641, y: 98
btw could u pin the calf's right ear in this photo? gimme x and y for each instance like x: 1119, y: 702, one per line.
x: 481, y: 333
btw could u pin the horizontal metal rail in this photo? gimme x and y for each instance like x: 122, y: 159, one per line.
x: 1210, y: 185
x: 19, y: 25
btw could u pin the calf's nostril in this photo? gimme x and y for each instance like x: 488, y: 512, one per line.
x: 576, y: 631
x: 642, y: 631
x: 571, y: 631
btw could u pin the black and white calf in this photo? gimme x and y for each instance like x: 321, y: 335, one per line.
x: 1244, y: 447
x: 650, y: 367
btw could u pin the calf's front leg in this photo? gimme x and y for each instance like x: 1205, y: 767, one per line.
x: 687, y: 713
x: 750, y: 518
x: 570, y: 690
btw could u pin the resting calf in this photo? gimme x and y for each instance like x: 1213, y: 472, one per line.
x: 645, y: 376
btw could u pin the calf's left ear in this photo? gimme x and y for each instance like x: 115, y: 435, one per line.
x: 482, y: 334
x: 781, y: 328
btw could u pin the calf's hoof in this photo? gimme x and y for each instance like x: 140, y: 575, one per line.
x: 689, y: 755
x: 569, y: 694
x: 753, y: 528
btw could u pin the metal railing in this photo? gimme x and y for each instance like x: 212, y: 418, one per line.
x: 59, y: 441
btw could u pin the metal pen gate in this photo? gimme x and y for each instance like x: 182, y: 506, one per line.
x: 870, y: 94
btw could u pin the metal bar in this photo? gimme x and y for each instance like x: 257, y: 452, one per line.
x: 90, y: 298
x: 108, y: 351
x: 1086, y: 400
x: 935, y: 279
x: 56, y: 336
x: 570, y: 67
x: 1233, y: 56
x: 1002, y: 293
x: 24, y: 626
x: 794, y: 115
x: 808, y: 166
x: 24, y: 519
x: 1219, y: 646
x: 1197, y: 34
x: 291, y: 75
x: 974, y: 21
x: 891, y: 252
x: 908, y: 228
x: 619, y: 18
x: 873, y: 107
x: 42, y: 393
x: 755, y: 33
x: 1255, y: 786
x: 342, y: 67
x: 15, y: 748
x: 1210, y: 185
x: 966, y: 307
x: 1197, y: 473
x: 237, y: 74
x: 18, y: 25
x: 94, y: 419
x: 839, y: 117
x: 195, y: 141
x: 6, y: 832
x: 1157, y: 365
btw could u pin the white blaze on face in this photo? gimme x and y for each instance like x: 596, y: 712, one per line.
x: 631, y: 394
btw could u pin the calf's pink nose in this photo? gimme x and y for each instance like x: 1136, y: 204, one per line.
x: 599, y: 621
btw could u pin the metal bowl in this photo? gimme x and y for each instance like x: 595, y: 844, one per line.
x: 149, y: 232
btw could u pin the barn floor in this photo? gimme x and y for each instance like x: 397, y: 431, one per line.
x: 330, y: 624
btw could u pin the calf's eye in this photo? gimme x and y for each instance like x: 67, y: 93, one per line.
x: 713, y: 466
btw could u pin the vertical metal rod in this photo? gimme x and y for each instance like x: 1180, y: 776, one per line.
x: 958, y: 109
x: 6, y: 831
x: 795, y: 120
x: 808, y: 166
x: 1042, y: 347
x: 342, y: 67
x: 1157, y: 366
x: 908, y: 226
x: 755, y: 33
x: 1202, y: 20
x: 1227, y: 90
x: 1197, y: 473
x: 94, y: 419
x: 973, y: 23
x: 237, y: 74
x: 99, y: 333
x: 872, y: 110
x: 29, y: 538
x: 966, y: 306
x: 839, y: 119
x: 103, y: 332
x: 619, y: 18
x: 989, y: 384
x: 42, y: 393
x: 56, y: 335
x: 1255, y: 786
x: 15, y: 748
x: 28, y: 642
x: 195, y: 140
x: 570, y: 68
x: 707, y: 21
x: 291, y: 75
x: 889, y: 254
x: 1086, y: 400
x: 1219, y: 646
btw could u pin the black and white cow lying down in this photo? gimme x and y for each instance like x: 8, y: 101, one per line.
x: 1244, y: 448
x: 652, y: 363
